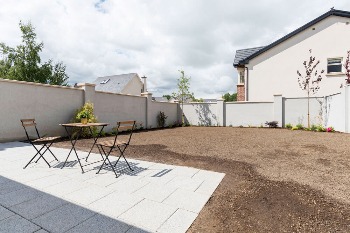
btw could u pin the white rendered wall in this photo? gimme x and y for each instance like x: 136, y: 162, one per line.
x: 295, y: 111
x: 49, y: 105
x: 110, y: 108
x: 170, y: 110
x: 335, y: 112
x: 275, y: 71
x: 249, y: 113
x: 201, y: 114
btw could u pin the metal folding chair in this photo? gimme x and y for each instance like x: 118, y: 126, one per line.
x: 127, y: 127
x: 46, y: 142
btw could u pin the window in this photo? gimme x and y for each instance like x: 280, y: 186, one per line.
x: 105, y: 81
x: 334, y: 65
x: 241, y: 77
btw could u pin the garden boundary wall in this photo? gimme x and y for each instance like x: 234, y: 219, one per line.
x: 52, y: 105
x: 332, y: 110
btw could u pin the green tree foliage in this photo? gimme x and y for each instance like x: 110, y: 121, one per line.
x: 23, y: 63
x: 230, y: 97
x: 168, y: 97
x: 183, y: 93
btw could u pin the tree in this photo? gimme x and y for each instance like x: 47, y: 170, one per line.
x: 183, y: 93
x: 347, y: 68
x: 168, y: 97
x: 310, y: 81
x: 230, y: 97
x: 23, y: 63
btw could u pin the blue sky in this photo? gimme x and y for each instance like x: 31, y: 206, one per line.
x: 156, y: 38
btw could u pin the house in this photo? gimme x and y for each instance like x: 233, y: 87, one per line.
x: 272, y: 69
x: 121, y: 84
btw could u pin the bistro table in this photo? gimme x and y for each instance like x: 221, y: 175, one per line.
x: 73, y: 140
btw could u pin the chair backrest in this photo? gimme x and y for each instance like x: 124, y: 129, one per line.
x: 29, y: 123
x: 127, y: 127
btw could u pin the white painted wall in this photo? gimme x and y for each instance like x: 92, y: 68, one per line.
x: 295, y: 111
x: 170, y: 110
x: 275, y: 71
x: 49, y: 105
x: 334, y: 111
x: 110, y: 108
x: 249, y: 113
x: 201, y: 113
x: 134, y: 87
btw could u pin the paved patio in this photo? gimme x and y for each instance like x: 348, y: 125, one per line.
x: 153, y: 198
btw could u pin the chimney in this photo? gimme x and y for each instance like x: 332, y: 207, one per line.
x: 144, y: 84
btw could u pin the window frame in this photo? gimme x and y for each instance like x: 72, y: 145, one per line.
x: 340, y: 63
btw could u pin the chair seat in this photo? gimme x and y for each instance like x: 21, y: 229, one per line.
x: 46, y: 139
x: 110, y: 143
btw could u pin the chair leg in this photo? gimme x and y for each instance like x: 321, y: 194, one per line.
x: 104, y: 162
x: 38, y: 153
x: 122, y: 154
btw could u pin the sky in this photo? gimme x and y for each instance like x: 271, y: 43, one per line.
x: 157, y: 38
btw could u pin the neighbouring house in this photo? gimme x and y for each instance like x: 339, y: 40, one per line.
x: 272, y: 69
x: 121, y: 84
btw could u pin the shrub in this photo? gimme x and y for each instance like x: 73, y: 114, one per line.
x: 299, y: 126
x: 289, y: 126
x: 161, y: 118
x: 272, y: 124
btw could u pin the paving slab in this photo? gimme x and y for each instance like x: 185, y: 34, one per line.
x: 88, y: 195
x: 66, y: 187
x: 101, y: 224
x: 115, y: 204
x: 179, y: 222
x: 19, y: 196
x: 155, y: 192
x: 63, y: 218
x: 38, y: 206
x: 150, y: 215
x: 5, y: 213
x: 187, y: 200
x: 17, y: 224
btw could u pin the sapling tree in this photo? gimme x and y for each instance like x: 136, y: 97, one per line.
x: 183, y: 93
x: 310, y: 80
x: 347, y: 68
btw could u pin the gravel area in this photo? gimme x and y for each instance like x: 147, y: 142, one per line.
x: 276, y: 180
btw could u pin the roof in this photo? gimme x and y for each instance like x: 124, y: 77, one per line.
x: 242, y: 54
x: 332, y: 12
x: 115, y: 84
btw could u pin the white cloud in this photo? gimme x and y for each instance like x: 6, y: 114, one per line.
x: 157, y: 38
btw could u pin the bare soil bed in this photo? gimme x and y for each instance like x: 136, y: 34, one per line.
x: 276, y: 180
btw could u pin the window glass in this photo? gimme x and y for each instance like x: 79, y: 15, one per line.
x: 334, y: 65
x: 241, y: 77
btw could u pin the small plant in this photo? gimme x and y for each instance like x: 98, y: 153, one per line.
x: 299, y: 126
x: 320, y: 128
x: 241, y: 126
x: 261, y: 126
x: 161, y: 118
x: 289, y: 126
x: 295, y: 128
x: 230, y: 125
x: 87, y: 112
x: 313, y: 127
x: 330, y: 129
x: 272, y: 124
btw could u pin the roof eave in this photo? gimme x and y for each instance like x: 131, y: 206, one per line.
x: 295, y: 32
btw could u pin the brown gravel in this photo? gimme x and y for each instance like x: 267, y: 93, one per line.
x: 276, y: 180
